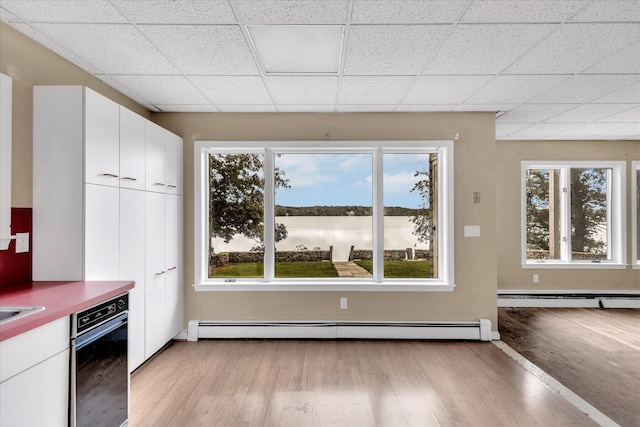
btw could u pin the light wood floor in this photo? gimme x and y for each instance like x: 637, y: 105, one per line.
x: 342, y: 383
x: 593, y: 352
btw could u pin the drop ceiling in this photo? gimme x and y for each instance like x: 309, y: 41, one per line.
x: 549, y: 69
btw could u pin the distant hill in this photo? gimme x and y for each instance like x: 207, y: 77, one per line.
x: 341, y: 211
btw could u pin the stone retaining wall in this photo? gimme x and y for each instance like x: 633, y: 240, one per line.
x: 391, y: 254
x: 225, y: 258
x: 585, y: 256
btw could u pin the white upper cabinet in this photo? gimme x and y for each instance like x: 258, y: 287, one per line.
x: 173, y: 163
x: 155, y: 164
x: 102, y: 140
x: 132, y: 150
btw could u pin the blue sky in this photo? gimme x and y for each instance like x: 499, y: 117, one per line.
x: 345, y: 179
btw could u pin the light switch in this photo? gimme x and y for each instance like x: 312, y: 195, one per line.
x: 471, y: 231
x: 22, y: 242
x: 476, y: 197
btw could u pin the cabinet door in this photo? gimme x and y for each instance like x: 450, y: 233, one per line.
x: 173, y: 254
x: 173, y: 163
x: 132, y: 267
x: 155, y: 274
x: 132, y: 150
x: 101, y: 235
x: 155, y: 167
x: 102, y: 140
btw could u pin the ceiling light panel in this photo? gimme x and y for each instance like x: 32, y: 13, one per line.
x: 514, y: 89
x: 625, y: 61
x: 113, y: 49
x: 585, y: 88
x: 292, y: 12
x: 522, y: 11
x: 79, y: 11
x: 533, y: 113
x: 610, y: 11
x: 373, y: 89
x: 233, y: 89
x: 176, y: 12
x: 303, y: 89
x: 298, y: 48
x: 163, y: 89
x: 444, y: 89
x: 486, y: 49
x: 589, y: 113
x: 576, y: 47
x: 203, y: 49
x: 391, y: 49
x: 406, y: 11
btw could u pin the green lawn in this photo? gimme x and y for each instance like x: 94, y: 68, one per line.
x: 283, y: 270
x: 400, y: 269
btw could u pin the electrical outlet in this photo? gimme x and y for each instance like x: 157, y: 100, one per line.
x: 343, y: 303
x: 22, y: 242
x: 536, y: 278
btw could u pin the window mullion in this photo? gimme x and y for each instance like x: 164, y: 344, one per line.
x: 378, y: 216
x: 566, y: 214
x: 269, y: 216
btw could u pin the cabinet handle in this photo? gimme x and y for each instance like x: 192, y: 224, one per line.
x: 128, y: 178
x: 172, y: 186
x: 110, y: 175
x: 160, y: 274
x: 159, y: 183
x: 172, y: 268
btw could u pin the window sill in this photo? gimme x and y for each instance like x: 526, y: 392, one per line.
x: 575, y: 265
x: 324, y: 286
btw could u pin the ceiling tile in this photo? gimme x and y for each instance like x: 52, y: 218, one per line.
x: 291, y: 11
x: 79, y: 11
x: 373, y: 89
x: 126, y: 90
x: 543, y: 130
x: 610, y: 11
x: 514, y: 89
x: 522, y: 11
x: 245, y: 108
x: 425, y: 107
x: 391, y: 49
x: 533, y: 113
x: 113, y: 49
x: 590, y: 129
x: 303, y: 89
x: 575, y: 48
x: 626, y: 95
x: 632, y: 130
x: 364, y: 108
x: 6, y: 16
x: 589, y: 113
x: 163, y: 89
x: 444, y: 89
x: 625, y: 61
x: 585, y: 88
x: 203, y: 49
x: 176, y: 12
x: 631, y: 115
x: 187, y: 108
x: 485, y: 49
x: 506, y: 129
x: 323, y: 108
x: 233, y: 89
x: 406, y: 11
x: 484, y: 107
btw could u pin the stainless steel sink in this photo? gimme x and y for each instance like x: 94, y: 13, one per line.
x: 12, y: 313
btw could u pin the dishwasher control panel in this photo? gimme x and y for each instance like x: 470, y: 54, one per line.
x: 99, y: 313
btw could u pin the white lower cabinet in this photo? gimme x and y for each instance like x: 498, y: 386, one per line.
x: 174, y: 294
x: 156, y: 273
x: 34, y: 377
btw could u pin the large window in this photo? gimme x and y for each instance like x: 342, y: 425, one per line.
x: 573, y: 214
x: 325, y: 215
x: 635, y: 208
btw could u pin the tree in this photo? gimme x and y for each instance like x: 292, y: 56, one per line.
x: 538, y: 209
x: 422, y: 218
x: 236, y: 197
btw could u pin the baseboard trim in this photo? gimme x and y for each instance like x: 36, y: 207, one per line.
x: 472, y: 330
x: 569, y: 298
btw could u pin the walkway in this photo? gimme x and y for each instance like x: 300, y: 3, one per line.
x: 350, y: 269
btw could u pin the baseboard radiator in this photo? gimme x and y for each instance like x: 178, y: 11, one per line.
x: 567, y: 299
x: 479, y: 330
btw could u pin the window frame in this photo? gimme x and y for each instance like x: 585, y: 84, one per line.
x: 444, y: 283
x: 616, y: 198
x: 635, y: 208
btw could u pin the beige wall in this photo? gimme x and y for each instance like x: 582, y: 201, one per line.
x: 509, y: 157
x: 475, y: 270
x: 29, y: 63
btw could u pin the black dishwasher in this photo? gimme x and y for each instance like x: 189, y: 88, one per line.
x: 99, y: 371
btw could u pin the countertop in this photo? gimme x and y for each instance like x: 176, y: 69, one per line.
x: 59, y: 299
